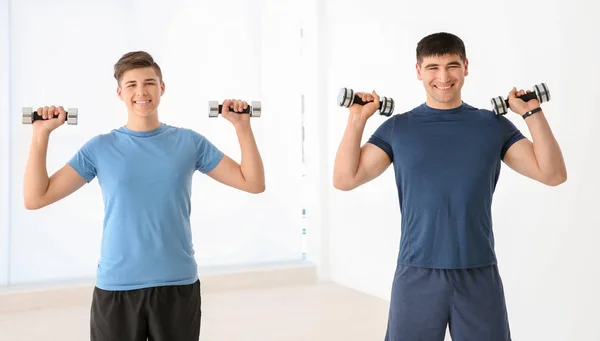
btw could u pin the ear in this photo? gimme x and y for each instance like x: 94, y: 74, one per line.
x: 119, y: 92
x: 162, y: 88
x: 418, y: 68
x: 466, y: 67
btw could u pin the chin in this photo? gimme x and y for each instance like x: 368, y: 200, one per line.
x: 146, y: 114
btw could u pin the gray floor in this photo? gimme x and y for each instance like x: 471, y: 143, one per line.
x: 325, y: 312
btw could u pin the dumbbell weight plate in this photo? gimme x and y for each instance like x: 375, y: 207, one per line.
x: 345, y: 97
x: 213, y: 109
x: 387, y: 106
x: 542, y: 92
x: 499, y: 105
x: 256, y: 109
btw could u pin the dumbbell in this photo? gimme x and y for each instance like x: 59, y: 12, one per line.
x: 540, y: 92
x: 254, y: 109
x: 29, y: 116
x: 346, y: 98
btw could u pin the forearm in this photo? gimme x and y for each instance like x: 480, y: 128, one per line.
x: 547, y: 151
x: 36, y: 174
x: 251, y: 165
x: 348, y: 155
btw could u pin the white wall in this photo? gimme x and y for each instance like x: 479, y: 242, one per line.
x: 314, y: 88
x: 208, y: 51
x: 546, y: 237
x: 4, y: 144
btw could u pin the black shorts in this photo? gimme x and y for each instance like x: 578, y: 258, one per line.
x: 166, y: 313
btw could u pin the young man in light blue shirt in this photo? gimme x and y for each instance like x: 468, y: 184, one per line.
x: 147, y: 282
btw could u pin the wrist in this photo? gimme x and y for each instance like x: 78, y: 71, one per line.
x: 357, y: 120
x: 242, y: 126
x: 531, y: 112
x: 41, y: 134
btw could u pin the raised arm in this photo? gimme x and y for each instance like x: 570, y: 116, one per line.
x: 542, y: 159
x: 356, y: 165
x: 39, y: 190
x: 249, y: 175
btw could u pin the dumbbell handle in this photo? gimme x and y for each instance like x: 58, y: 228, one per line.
x: 37, y: 117
x: 358, y: 100
x: 245, y: 111
x: 527, y: 97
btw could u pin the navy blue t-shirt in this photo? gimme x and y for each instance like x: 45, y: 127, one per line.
x: 447, y: 164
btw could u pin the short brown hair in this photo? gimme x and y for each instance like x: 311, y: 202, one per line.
x: 439, y: 44
x: 135, y: 60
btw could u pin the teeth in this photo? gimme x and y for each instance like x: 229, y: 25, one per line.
x: 141, y: 102
x: 443, y: 87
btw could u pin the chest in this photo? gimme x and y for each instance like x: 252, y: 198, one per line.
x: 447, y: 145
x: 141, y: 163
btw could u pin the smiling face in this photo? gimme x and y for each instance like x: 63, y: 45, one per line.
x: 140, y: 89
x: 443, y: 77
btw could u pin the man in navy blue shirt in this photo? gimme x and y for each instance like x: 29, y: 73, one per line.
x: 447, y: 156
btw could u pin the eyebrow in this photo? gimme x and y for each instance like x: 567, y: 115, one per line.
x: 449, y: 64
x: 145, y: 80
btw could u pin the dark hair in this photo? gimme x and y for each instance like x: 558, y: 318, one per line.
x: 135, y: 60
x: 439, y: 44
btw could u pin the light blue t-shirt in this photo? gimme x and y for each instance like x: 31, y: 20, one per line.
x: 447, y: 164
x: 146, y: 180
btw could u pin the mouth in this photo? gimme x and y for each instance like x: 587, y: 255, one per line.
x: 443, y: 88
x: 143, y: 103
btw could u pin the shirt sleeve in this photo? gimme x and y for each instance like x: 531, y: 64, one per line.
x: 510, y: 135
x: 382, y: 137
x: 84, y: 161
x: 208, y: 155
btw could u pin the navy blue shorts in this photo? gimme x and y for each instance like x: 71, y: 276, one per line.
x: 425, y: 302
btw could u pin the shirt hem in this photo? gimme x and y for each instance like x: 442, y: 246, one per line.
x: 125, y: 287
x: 448, y: 267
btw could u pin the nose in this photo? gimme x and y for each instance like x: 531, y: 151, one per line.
x: 444, y: 75
x: 142, y: 91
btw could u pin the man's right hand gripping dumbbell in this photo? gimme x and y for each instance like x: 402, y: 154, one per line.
x: 52, y: 117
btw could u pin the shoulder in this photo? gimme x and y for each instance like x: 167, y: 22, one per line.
x: 189, y: 133
x: 181, y: 133
x: 502, y: 124
x: 387, y: 125
x: 99, y: 140
x: 404, y: 116
x: 199, y: 140
x: 481, y: 112
x: 487, y: 115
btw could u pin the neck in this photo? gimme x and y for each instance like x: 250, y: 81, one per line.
x: 432, y: 103
x: 137, y: 123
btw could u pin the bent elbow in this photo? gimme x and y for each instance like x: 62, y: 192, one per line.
x: 257, y: 189
x: 556, y: 180
x: 342, y: 184
x: 342, y: 187
x: 32, y: 205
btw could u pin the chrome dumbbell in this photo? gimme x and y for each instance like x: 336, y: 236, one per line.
x: 540, y: 92
x: 29, y: 116
x: 346, y: 98
x: 254, y: 109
